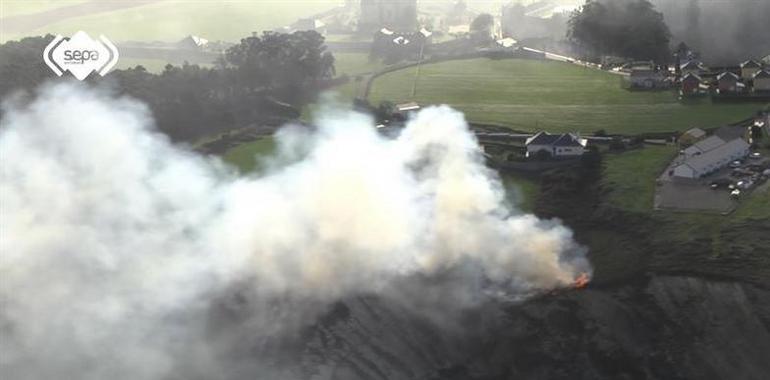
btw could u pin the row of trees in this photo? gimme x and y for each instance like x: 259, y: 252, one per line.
x: 262, y: 80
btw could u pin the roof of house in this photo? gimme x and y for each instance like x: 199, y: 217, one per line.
x: 564, y: 140
x: 704, y: 161
x: 727, y: 75
x: 694, y: 64
x: 542, y: 138
x: 691, y: 76
x: 704, y: 145
x: 750, y: 64
x: 762, y: 74
x: 568, y: 139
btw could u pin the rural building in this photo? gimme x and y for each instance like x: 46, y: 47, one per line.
x: 749, y: 68
x: 400, y: 15
x: 559, y: 146
x: 762, y: 81
x: 691, y: 84
x: 192, y: 43
x: 703, y: 146
x: 692, y: 67
x: 309, y: 24
x: 712, y: 160
x: 691, y: 136
x: 647, y: 79
x: 728, y: 83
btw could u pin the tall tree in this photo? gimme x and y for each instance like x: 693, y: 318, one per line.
x: 628, y: 28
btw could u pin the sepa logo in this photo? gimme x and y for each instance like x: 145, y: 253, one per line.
x: 80, y: 55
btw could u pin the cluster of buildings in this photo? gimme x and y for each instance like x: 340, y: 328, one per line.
x: 693, y: 78
x: 751, y: 77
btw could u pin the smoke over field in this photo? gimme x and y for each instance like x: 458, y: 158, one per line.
x: 116, y: 243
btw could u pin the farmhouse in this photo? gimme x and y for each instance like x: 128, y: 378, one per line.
x: 762, y: 81
x: 712, y: 160
x: 560, y: 146
x: 749, y: 68
x: 728, y: 83
x: 692, y: 67
x: 691, y: 84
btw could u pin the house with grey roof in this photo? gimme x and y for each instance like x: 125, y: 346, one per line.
x: 566, y: 145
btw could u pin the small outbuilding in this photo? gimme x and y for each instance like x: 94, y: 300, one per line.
x: 691, y: 136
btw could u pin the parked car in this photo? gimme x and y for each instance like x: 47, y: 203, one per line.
x: 735, y: 164
x: 736, y: 193
x: 755, y: 155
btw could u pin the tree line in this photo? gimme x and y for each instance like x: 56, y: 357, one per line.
x: 263, y: 80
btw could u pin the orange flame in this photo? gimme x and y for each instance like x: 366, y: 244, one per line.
x: 581, y: 281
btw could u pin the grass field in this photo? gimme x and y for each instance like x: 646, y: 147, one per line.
x: 521, y: 191
x: 559, y: 97
x: 244, y: 156
x: 171, y: 20
x: 631, y: 176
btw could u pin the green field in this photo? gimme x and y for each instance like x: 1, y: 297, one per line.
x: 546, y: 95
x: 244, y: 156
x: 171, y: 20
x: 631, y: 176
x: 521, y: 191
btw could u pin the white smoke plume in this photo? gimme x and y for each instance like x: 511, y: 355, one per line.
x: 114, y: 242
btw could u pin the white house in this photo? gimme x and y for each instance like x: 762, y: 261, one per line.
x: 563, y: 146
x: 712, y: 160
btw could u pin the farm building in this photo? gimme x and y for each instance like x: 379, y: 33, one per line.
x: 647, y: 78
x: 192, y: 43
x: 728, y: 83
x: 691, y: 84
x: 691, y: 136
x: 703, y: 146
x: 762, y: 81
x: 712, y: 160
x: 749, y: 68
x: 692, y: 67
x: 561, y: 146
